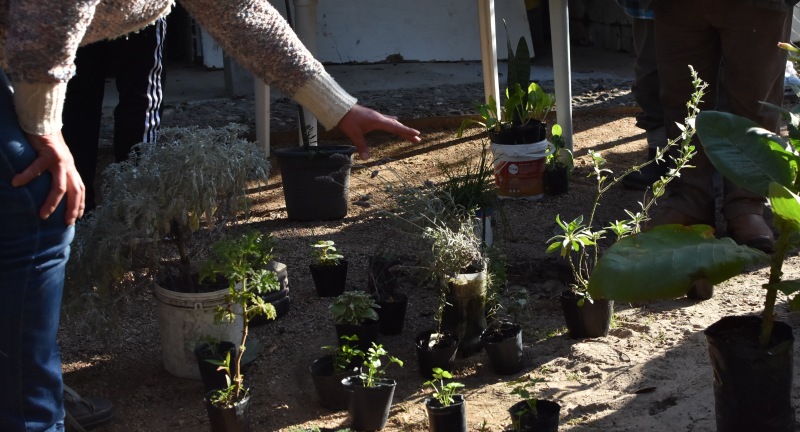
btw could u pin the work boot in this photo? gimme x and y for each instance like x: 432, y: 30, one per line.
x: 751, y: 230
x: 84, y: 413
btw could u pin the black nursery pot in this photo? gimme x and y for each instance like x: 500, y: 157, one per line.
x: 503, y: 345
x: 330, y: 391
x: 556, y: 181
x: 451, y: 418
x: 369, y: 406
x: 316, y: 183
x: 229, y: 419
x: 588, y: 321
x: 752, y: 385
x: 544, y: 420
x: 212, y: 378
x: 392, y: 313
x: 441, y: 355
x: 329, y: 280
x: 367, y: 333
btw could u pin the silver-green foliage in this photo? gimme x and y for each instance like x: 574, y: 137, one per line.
x: 193, y: 177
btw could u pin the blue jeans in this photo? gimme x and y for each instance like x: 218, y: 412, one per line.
x: 33, y: 253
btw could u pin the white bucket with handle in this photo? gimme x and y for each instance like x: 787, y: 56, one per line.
x: 519, y: 169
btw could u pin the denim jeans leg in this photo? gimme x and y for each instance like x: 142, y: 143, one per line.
x: 33, y: 254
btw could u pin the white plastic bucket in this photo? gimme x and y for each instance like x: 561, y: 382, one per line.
x: 184, y: 319
x: 519, y: 169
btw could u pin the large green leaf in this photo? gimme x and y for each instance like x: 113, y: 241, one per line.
x: 664, y: 261
x: 743, y: 152
x: 785, y: 208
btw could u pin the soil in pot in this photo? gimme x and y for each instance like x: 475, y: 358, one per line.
x: 440, y: 353
x: 545, y: 419
x: 229, y: 419
x: 329, y: 280
x: 367, y: 333
x: 503, y: 343
x: 328, y: 385
x: 214, y: 379
x: 752, y: 385
x: 589, y: 320
x: 451, y: 418
x: 369, y: 406
x: 316, y: 183
x: 392, y: 313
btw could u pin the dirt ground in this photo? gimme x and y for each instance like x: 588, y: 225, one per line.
x: 651, y: 373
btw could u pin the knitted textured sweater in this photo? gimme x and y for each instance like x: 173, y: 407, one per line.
x: 40, y: 38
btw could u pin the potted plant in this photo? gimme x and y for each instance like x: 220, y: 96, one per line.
x: 160, y: 201
x: 579, y: 242
x: 355, y: 313
x: 446, y: 407
x: 558, y: 164
x: 518, y: 132
x: 751, y: 356
x: 382, y: 281
x: 371, y: 393
x: 328, y: 371
x: 329, y: 270
x: 532, y: 414
x: 502, y: 339
x: 209, y: 353
x: 233, y: 258
x: 316, y: 179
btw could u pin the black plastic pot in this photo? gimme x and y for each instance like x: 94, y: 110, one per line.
x: 229, y: 419
x: 369, y: 406
x: 212, y: 378
x: 330, y: 391
x: 545, y: 419
x: 392, y: 313
x: 465, y: 311
x: 441, y: 355
x: 588, y: 321
x: 503, y: 343
x: 556, y: 181
x: 451, y: 418
x: 367, y: 333
x: 329, y: 280
x: 316, y: 183
x: 752, y: 385
x: 278, y: 299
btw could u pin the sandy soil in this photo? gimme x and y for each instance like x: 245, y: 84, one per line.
x: 651, y: 373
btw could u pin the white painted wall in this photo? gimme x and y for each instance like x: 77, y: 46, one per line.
x: 418, y: 30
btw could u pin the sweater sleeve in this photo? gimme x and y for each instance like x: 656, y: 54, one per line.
x: 39, y: 50
x: 257, y: 36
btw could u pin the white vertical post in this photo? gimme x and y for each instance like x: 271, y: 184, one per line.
x: 491, y: 86
x: 262, y: 114
x: 562, y: 77
x: 306, y: 28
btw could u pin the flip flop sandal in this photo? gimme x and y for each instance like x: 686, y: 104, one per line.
x: 86, y: 412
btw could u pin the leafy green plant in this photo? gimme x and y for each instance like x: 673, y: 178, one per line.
x: 325, y: 253
x: 443, y: 392
x: 756, y: 160
x: 344, y: 354
x: 578, y: 242
x: 561, y: 157
x: 374, y: 368
x: 240, y: 260
x: 353, y: 308
x: 523, y: 388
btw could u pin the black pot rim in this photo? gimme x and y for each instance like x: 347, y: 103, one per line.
x: 316, y: 151
x: 433, y: 403
x: 424, y: 335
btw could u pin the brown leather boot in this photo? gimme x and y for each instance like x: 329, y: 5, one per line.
x: 751, y: 230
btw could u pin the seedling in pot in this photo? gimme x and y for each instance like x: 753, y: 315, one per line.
x: 373, y: 368
x: 522, y: 388
x: 444, y: 392
x: 325, y: 253
x: 344, y: 354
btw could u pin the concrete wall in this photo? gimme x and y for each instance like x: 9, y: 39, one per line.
x: 412, y: 30
x: 600, y: 23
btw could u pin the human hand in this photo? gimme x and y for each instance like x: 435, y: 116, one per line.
x: 53, y: 155
x: 360, y: 121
